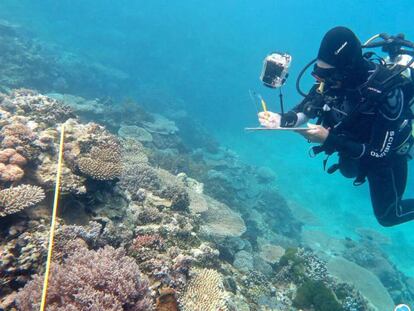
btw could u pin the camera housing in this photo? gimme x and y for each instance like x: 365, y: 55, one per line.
x: 275, y: 69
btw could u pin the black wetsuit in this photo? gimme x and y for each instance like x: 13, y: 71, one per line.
x: 371, y: 136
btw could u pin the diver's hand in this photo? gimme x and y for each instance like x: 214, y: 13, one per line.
x: 269, y: 119
x: 315, y: 133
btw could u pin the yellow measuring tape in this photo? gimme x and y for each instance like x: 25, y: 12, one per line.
x: 53, y: 224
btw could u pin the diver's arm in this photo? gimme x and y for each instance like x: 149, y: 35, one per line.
x: 293, y: 119
x: 382, y: 142
x: 383, y: 136
x: 299, y: 114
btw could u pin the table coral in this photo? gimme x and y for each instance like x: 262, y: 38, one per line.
x: 135, y: 132
x: 16, y: 199
x: 220, y: 221
x: 102, y: 163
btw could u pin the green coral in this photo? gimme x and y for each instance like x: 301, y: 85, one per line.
x: 290, y: 256
x: 297, y: 264
x: 317, y: 295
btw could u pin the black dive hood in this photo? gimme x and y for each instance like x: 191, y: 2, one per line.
x: 342, y: 49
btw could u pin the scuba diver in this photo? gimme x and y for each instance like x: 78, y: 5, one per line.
x: 363, y: 113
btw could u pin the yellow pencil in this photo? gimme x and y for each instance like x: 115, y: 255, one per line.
x: 264, y: 106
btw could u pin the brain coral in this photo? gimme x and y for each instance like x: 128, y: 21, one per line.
x: 13, y: 200
x: 205, y: 292
x: 102, y: 163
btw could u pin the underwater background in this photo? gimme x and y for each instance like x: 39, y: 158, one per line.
x: 199, y: 59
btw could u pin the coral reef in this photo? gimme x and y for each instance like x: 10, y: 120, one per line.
x: 105, y: 279
x: 161, y: 125
x: 102, y: 163
x: 154, y: 212
x: 28, y: 62
x: 15, y: 199
x: 196, y: 222
x: 316, y: 294
x: 22, y: 254
x: 204, y: 292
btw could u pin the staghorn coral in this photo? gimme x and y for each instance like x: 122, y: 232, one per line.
x: 102, y: 163
x: 205, y: 292
x: 15, y: 199
x: 105, y: 279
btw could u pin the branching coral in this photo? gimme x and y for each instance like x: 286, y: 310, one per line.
x: 205, y: 292
x: 99, y: 280
x: 22, y: 256
x: 154, y: 241
x: 139, y: 176
x: 13, y: 200
x: 102, y: 163
x: 41, y: 108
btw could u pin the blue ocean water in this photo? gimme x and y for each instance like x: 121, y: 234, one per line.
x: 204, y: 56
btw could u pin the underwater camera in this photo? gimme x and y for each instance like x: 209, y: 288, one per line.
x: 275, y: 69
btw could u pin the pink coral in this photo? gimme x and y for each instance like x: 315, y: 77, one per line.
x: 10, y: 172
x: 16, y: 134
x: 6, y: 154
x: 17, y: 159
x: 105, y: 279
x: 148, y: 241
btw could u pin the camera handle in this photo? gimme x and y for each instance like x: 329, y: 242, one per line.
x: 282, y: 111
